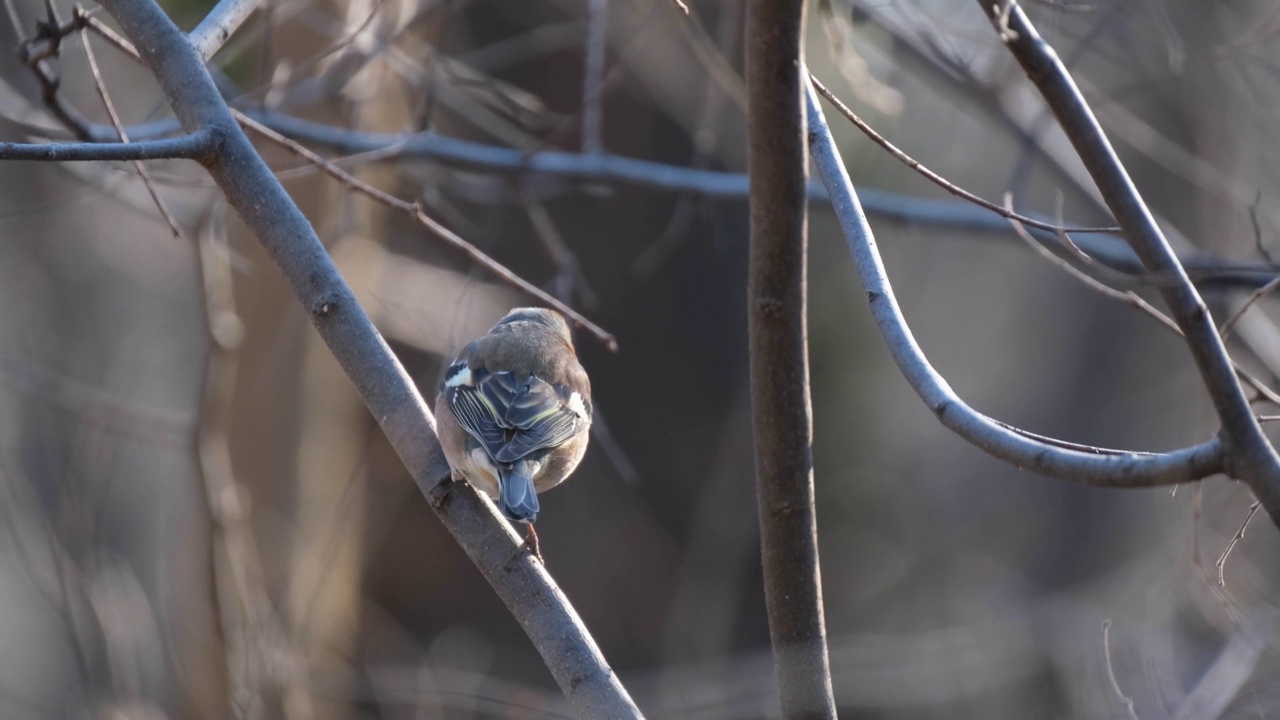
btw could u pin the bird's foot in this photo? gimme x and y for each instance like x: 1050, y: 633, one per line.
x: 530, y: 545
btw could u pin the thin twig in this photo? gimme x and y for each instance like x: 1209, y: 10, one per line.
x: 1133, y: 299
x: 414, y: 210
x: 1111, y: 671
x: 1253, y: 458
x: 124, y: 136
x: 1221, y: 564
x: 1074, y: 249
x: 1058, y: 214
x: 1224, y: 599
x: 937, y: 179
x: 1257, y: 227
x: 1254, y: 297
x: 37, y: 53
x: 1126, y: 296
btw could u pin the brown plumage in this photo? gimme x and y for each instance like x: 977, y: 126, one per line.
x: 514, y: 410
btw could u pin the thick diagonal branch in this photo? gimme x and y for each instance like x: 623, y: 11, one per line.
x: 265, y: 207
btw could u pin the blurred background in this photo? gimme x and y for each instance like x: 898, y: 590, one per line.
x: 200, y: 520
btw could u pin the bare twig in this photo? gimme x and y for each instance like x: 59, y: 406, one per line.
x: 413, y: 210
x: 1257, y: 228
x: 937, y: 179
x: 1221, y: 564
x: 1126, y: 296
x: 1254, y: 297
x: 1111, y: 671
x: 1252, y: 457
x: 1133, y: 299
x: 781, y: 410
x: 546, y: 172
x: 388, y: 392
x: 1094, y: 466
x: 124, y: 136
x: 37, y: 54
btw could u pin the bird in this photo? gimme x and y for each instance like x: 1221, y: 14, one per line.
x: 514, y: 412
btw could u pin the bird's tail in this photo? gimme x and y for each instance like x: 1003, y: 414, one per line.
x: 519, y: 500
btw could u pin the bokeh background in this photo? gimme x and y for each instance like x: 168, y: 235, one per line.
x: 200, y: 520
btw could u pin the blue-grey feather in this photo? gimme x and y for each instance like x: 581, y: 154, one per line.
x: 519, y: 500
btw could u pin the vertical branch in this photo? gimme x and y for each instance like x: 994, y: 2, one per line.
x: 781, y: 412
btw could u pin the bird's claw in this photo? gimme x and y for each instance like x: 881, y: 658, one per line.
x: 530, y: 544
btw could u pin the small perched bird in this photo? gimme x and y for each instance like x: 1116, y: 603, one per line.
x: 518, y: 412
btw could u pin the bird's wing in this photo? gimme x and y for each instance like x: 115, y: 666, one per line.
x: 513, y: 417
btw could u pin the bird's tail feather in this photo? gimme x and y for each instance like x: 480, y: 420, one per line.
x: 519, y: 500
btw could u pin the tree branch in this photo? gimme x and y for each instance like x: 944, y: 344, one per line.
x: 782, y: 415
x: 535, y: 172
x: 198, y: 145
x: 1092, y: 466
x: 1250, y: 455
x: 937, y: 179
x: 414, y: 211
x: 265, y: 207
x: 219, y: 25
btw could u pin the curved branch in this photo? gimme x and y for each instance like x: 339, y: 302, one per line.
x: 1093, y: 466
x: 264, y: 206
x: 1250, y: 455
x: 781, y: 411
x: 937, y: 179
